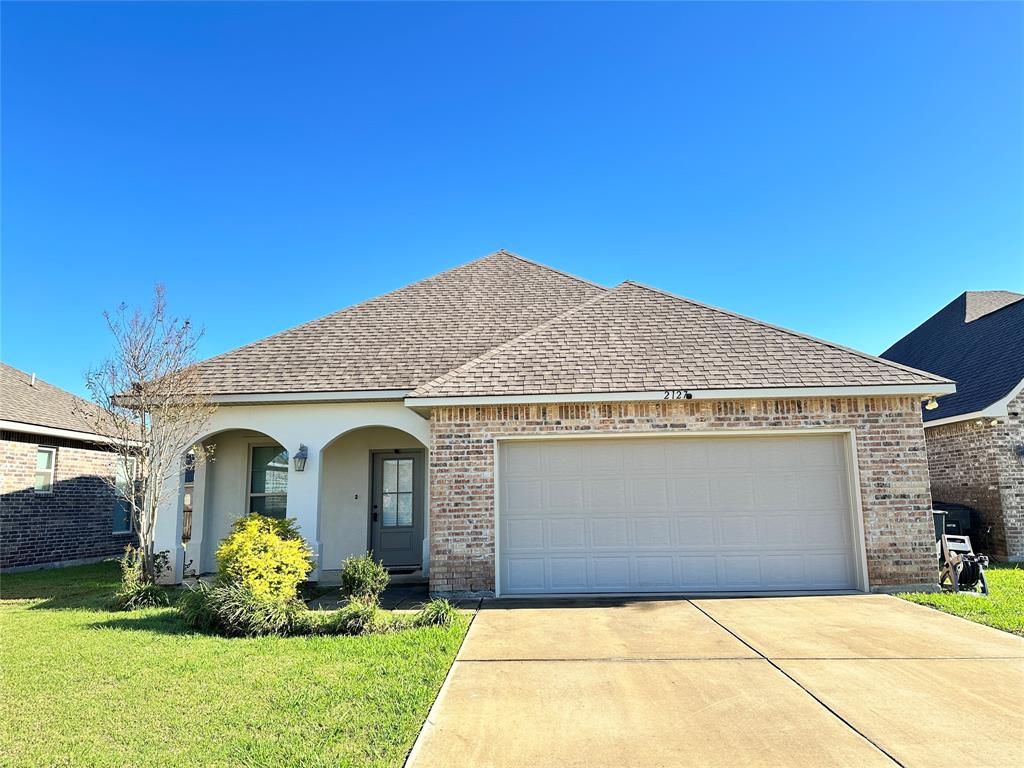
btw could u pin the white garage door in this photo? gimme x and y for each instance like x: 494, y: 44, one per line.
x: 690, y: 514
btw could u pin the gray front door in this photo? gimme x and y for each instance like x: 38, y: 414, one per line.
x: 396, y: 508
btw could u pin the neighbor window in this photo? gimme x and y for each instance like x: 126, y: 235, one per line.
x: 45, y: 459
x: 124, y: 484
x: 268, y: 480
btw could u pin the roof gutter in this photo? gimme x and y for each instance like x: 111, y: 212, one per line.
x: 920, y: 390
x: 38, y: 429
x: 366, y: 395
x: 998, y: 410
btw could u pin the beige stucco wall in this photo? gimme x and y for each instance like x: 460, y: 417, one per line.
x: 345, y: 492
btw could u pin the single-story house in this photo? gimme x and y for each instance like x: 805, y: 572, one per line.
x: 976, y: 437
x: 58, y: 506
x: 507, y: 428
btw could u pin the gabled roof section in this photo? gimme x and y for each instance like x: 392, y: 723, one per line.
x: 981, y: 303
x: 402, y: 339
x: 978, y: 340
x: 639, y: 339
x: 41, y: 404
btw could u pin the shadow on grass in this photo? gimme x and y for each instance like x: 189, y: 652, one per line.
x: 165, y: 622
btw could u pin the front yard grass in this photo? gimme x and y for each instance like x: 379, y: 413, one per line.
x: 80, y: 685
x: 1003, y: 608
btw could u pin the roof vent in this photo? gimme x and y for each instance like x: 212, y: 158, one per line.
x: 33, y: 382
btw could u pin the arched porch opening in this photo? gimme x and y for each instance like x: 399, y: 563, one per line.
x: 239, y: 471
x: 373, y: 496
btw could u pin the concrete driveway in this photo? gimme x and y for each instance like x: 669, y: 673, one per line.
x: 860, y: 680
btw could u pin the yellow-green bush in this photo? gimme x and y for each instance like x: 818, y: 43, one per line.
x: 266, y: 555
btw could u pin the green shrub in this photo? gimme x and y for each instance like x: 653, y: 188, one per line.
x: 358, y: 617
x: 265, y: 555
x: 136, y: 591
x: 363, y: 578
x: 436, y: 613
x: 233, y: 610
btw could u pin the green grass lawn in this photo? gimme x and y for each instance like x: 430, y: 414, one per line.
x: 80, y: 685
x: 1003, y: 608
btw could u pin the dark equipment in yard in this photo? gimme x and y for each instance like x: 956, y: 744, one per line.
x: 962, y: 570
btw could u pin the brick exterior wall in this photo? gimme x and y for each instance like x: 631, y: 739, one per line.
x: 896, y: 503
x: 74, y: 522
x: 976, y: 465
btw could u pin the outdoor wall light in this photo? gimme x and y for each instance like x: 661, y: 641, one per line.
x: 932, y: 404
x: 300, y: 458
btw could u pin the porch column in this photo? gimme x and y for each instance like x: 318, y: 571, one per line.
x: 304, y: 501
x: 194, y: 549
x: 167, y: 534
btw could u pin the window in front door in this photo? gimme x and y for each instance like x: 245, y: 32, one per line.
x: 397, y: 492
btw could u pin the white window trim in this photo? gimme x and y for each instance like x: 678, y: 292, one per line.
x: 52, y: 450
x: 248, y: 475
x: 131, y: 481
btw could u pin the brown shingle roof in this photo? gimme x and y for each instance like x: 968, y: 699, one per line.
x: 634, y: 338
x: 404, y: 338
x: 41, y: 405
x: 981, y: 303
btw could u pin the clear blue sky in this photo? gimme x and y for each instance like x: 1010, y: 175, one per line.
x: 841, y: 169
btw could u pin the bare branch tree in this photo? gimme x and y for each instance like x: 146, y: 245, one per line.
x: 150, y: 405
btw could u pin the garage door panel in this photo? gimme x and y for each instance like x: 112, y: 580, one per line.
x: 698, y: 572
x: 610, y: 493
x: 523, y: 533
x: 568, y: 573
x: 650, y: 493
x: 692, y: 493
x: 526, y: 574
x: 652, y: 531
x: 524, y: 496
x: 740, y: 571
x: 675, y: 514
x: 737, y: 531
x: 696, y: 532
x: 610, y: 532
x: 562, y: 457
x: 611, y: 574
x: 655, y: 571
x: 565, y: 495
x: 567, y: 533
x: 732, y: 492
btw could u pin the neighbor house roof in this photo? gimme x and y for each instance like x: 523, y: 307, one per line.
x: 978, y: 340
x: 404, y: 338
x: 639, y: 339
x: 25, y: 405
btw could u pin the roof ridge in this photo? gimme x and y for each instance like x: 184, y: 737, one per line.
x: 797, y: 334
x: 492, y: 254
x: 424, y: 388
x: 561, y: 272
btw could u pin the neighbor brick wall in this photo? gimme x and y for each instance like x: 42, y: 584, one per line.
x: 899, y: 537
x: 976, y: 465
x: 72, y: 523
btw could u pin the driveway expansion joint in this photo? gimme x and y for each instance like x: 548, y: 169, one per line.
x: 797, y: 683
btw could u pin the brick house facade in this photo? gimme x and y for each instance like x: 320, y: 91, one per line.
x: 976, y: 463
x: 891, y: 459
x: 72, y: 522
x: 975, y: 437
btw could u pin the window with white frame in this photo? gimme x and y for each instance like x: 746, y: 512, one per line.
x: 268, y: 481
x: 124, y: 485
x: 46, y: 458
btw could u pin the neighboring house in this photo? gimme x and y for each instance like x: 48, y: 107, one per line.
x: 976, y: 437
x: 509, y: 428
x: 57, y: 505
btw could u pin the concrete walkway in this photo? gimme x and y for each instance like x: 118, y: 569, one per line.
x: 860, y: 680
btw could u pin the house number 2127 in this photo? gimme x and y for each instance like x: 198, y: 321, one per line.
x: 677, y: 394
